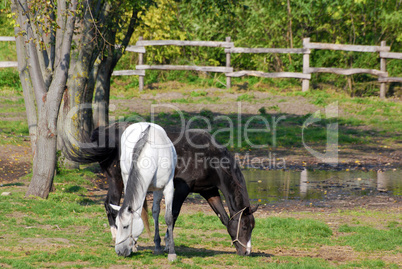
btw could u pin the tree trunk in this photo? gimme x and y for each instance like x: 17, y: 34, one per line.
x: 44, y: 162
x: 47, y: 86
x: 75, y: 116
x: 48, y: 71
x: 96, y: 58
x: 102, y: 94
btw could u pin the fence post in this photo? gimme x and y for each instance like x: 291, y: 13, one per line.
x: 383, y: 67
x: 140, y: 62
x: 228, y: 79
x: 306, y: 64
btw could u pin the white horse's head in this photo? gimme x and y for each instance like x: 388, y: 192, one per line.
x: 129, y: 227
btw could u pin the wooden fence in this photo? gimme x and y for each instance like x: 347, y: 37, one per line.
x: 8, y: 64
x: 304, y: 75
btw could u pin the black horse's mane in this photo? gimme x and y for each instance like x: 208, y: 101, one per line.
x: 234, y: 172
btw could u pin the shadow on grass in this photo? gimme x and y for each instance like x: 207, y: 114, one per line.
x: 191, y: 252
x: 18, y: 184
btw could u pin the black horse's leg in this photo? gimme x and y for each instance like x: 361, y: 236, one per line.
x: 157, y: 195
x: 114, y: 193
x: 181, y: 191
x: 215, y: 201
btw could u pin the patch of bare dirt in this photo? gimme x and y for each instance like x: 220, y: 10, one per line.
x: 337, y: 254
x: 45, y: 241
x: 15, y: 161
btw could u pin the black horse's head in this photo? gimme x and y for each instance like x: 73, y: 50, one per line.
x: 240, y: 227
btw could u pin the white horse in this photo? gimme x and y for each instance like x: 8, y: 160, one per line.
x: 148, y: 160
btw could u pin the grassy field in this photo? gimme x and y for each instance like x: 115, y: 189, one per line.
x: 69, y: 230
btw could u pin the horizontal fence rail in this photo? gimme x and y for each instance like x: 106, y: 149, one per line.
x: 264, y: 50
x: 8, y: 64
x: 357, y: 48
x: 391, y: 55
x: 347, y: 72
x: 128, y: 73
x: 390, y: 79
x: 212, y: 44
x: 217, y: 69
x: 229, y: 48
x: 269, y: 75
x: 7, y: 38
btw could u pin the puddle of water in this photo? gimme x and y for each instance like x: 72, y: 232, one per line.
x: 266, y: 186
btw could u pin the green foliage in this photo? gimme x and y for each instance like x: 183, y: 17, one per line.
x: 10, y: 78
x: 159, y: 22
x: 6, y: 23
x: 267, y: 24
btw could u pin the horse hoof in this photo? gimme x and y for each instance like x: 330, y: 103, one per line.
x: 172, y: 257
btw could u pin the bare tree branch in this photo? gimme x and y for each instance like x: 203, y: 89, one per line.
x: 61, y: 13
x: 61, y: 68
x: 34, y: 66
x: 29, y: 97
x: 127, y: 37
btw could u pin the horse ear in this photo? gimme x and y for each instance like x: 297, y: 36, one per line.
x: 115, y: 207
x: 254, y: 208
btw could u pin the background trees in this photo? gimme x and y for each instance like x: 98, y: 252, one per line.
x: 67, y: 49
x: 276, y: 24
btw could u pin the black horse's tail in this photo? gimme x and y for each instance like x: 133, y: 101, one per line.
x: 101, y: 147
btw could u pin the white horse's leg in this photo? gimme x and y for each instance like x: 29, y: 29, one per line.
x: 168, y: 193
x: 155, y: 214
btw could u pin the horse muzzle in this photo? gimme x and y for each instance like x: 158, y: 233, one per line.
x: 126, y: 246
x: 123, y: 251
x: 243, y: 250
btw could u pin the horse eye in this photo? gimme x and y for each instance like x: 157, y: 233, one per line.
x: 125, y: 227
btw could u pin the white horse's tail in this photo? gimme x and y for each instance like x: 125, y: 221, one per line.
x: 145, y: 219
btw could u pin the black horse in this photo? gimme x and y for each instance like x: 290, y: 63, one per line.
x: 203, y: 167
